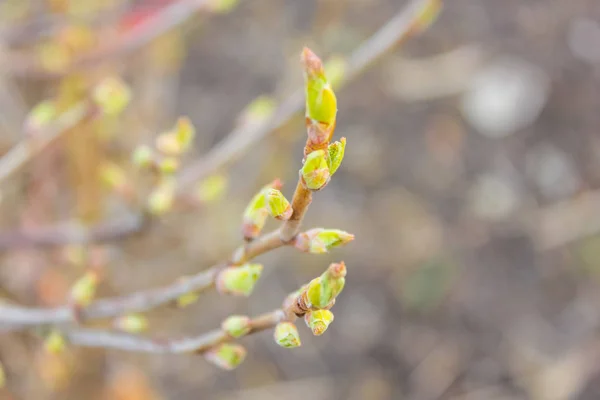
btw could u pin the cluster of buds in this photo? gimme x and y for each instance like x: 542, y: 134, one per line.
x: 268, y: 201
x: 322, y: 158
x: 312, y: 302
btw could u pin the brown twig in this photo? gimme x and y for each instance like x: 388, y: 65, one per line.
x: 300, y: 202
x: 166, y: 19
x: 197, y: 344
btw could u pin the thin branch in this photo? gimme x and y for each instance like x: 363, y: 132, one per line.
x: 300, y: 202
x: 34, y: 144
x: 197, y: 344
x: 237, y: 142
x: 16, y: 317
x: 163, y: 21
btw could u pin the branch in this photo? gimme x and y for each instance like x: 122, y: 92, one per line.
x: 17, y: 317
x: 166, y: 19
x: 197, y: 344
x: 396, y: 30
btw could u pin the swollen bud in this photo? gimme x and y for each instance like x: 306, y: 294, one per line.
x: 256, y: 213
x: 336, y: 155
x: 226, y: 356
x: 211, y: 188
x: 142, y: 156
x: 323, y: 290
x: 55, y: 343
x: 132, y: 323
x: 84, y: 290
x: 318, y: 321
x: 238, y: 281
x: 112, y: 96
x: 277, y: 205
x: 40, y: 116
x: 321, y: 103
x: 315, y: 172
x: 319, y: 240
x: 161, y: 199
x: 236, y: 326
x: 286, y: 335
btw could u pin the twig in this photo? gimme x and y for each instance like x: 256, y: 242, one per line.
x: 20, y: 317
x: 396, y: 30
x: 300, y: 202
x: 58, y: 235
x: 197, y: 344
x: 30, y: 147
x: 166, y: 19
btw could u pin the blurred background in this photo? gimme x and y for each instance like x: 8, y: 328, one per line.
x: 470, y: 180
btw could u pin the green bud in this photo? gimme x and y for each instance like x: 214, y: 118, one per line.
x: 323, y: 290
x: 55, y: 343
x: 112, y: 175
x: 286, y: 335
x: 256, y: 213
x: 187, y: 299
x: 112, y: 96
x: 161, y: 199
x: 318, y: 321
x: 319, y: 240
x: 84, y: 289
x: 236, y: 326
x: 315, y: 172
x: 142, y: 156
x: 184, y: 133
x: 226, y: 355
x: 277, y: 205
x: 321, y: 103
x: 238, y: 281
x: 132, y: 323
x: 336, y: 155
x: 212, y: 188
x: 40, y: 116
x: 168, y: 165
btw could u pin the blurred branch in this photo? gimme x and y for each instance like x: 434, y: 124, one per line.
x: 197, y: 344
x: 34, y: 144
x: 396, y: 30
x: 162, y: 21
x: 19, y: 317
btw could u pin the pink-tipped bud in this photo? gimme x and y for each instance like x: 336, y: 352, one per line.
x: 318, y: 321
x: 238, y: 281
x: 319, y: 240
x: 286, y: 335
x: 277, y: 205
x: 236, y: 325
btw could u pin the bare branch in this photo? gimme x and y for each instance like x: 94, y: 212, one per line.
x: 197, y: 344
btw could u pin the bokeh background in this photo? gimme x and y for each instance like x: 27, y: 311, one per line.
x: 471, y: 182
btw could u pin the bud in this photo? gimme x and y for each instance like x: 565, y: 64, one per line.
x: 319, y: 240
x: 238, y: 281
x: 187, y: 299
x: 318, y: 321
x: 132, y: 323
x: 84, y: 290
x: 286, y: 335
x: 112, y: 175
x: 323, y: 290
x: 55, y: 343
x: 277, y: 205
x: 321, y: 103
x: 184, y: 133
x: 40, y: 116
x: 112, y: 96
x: 212, y: 188
x: 168, y: 165
x: 315, y: 172
x: 142, y: 156
x: 236, y: 325
x: 161, y: 199
x: 256, y: 213
x: 336, y: 155
x: 226, y: 355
